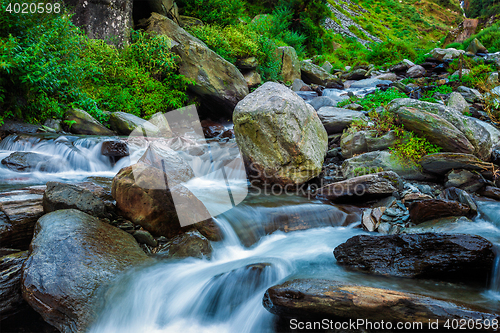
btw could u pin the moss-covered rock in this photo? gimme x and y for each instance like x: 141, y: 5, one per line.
x: 280, y: 137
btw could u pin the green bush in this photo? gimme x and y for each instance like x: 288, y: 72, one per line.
x: 411, y: 148
x: 221, y: 12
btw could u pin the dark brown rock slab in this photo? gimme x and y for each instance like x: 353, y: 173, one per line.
x: 373, y: 185
x: 71, y: 256
x: 140, y: 199
x: 314, y: 298
x: 441, y: 163
x: 426, y: 255
x: 116, y: 148
x: 425, y: 210
x: 11, y: 299
x: 17, y: 222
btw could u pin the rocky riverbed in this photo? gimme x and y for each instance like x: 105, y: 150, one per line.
x: 323, y: 222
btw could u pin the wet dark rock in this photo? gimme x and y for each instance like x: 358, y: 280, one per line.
x: 425, y: 210
x: 190, y: 244
x: 28, y: 161
x: 211, y: 129
x: 379, y: 184
x: 464, y: 179
x: 11, y: 299
x: 461, y: 196
x: 314, y: 299
x: 491, y: 192
x: 432, y: 256
x: 115, y: 148
x: 66, y: 196
x: 73, y: 255
x: 17, y: 221
x: 144, y: 237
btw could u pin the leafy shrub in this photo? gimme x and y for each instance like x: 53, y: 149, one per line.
x: 221, y: 12
x: 411, y: 148
x: 378, y: 98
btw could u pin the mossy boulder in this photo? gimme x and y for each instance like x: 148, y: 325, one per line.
x: 317, y: 75
x: 218, y: 82
x: 290, y: 64
x: 365, y: 141
x: 280, y: 137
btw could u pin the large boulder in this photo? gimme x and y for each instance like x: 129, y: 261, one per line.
x: 83, y: 123
x: 365, y: 141
x: 432, y: 256
x: 317, y: 75
x: 18, y: 218
x: 441, y: 163
x: 68, y: 196
x: 290, y: 64
x: 381, y: 184
x: 143, y: 197
x: 72, y: 255
x: 381, y: 161
x: 435, y: 129
x: 218, y: 82
x: 336, y: 120
x: 110, y: 21
x: 11, y: 299
x: 415, y: 71
x: 337, y: 303
x: 280, y: 137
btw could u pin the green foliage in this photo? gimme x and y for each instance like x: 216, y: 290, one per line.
x: 48, y: 65
x: 428, y: 96
x: 478, y: 8
x: 479, y: 72
x: 378, y: 98
x: 391, y: 51
x: 221, y: 12
x: 411, y: 148
x: 489, y: 37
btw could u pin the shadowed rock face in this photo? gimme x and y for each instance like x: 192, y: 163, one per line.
x: 318, y: 299
x: 71, y: 256
x: 435, y: 256
x: 425, y: 210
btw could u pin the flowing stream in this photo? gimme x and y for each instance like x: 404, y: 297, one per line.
x: 224, y: 293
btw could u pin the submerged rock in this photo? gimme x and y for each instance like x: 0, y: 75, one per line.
x: 29, y: 161
x: 314, y: 299
x: 431, y: 256
x: 17, y: 221
x: 73, y: 255
x: 280, y: 137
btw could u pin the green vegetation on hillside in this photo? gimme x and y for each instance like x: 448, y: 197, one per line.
x: 48, y: 65
x: 479, y: 8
